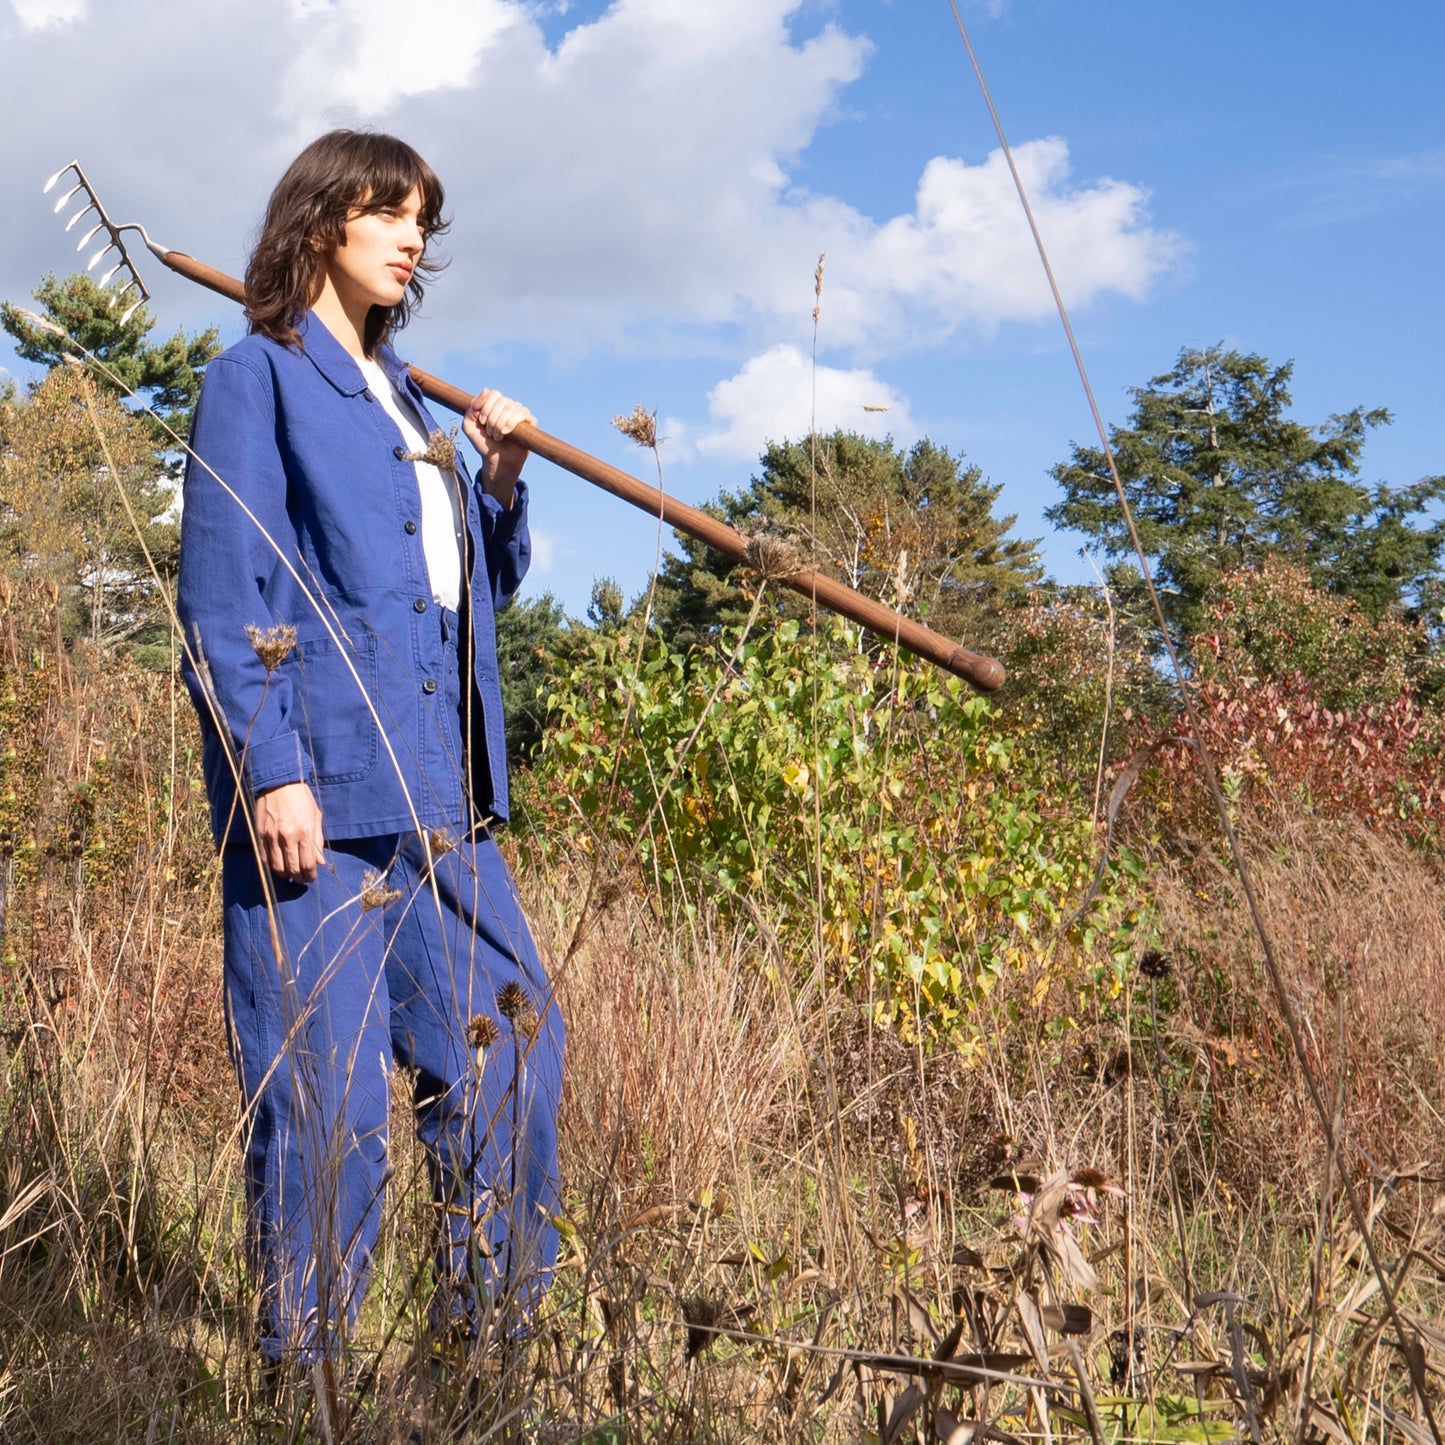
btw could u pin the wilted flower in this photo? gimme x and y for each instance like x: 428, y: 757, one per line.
x: 440, y: 452
x: 272, y: 644
x: 703, y: 1316
x: 374, y: 891
x: 514, y: 1005
x: 482, y: 1033
x: 775, y: 558
x: 641, y: 426
x: 1154, y: 964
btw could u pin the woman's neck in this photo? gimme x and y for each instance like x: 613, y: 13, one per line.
x: 347, y: 323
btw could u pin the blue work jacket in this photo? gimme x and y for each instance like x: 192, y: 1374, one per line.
x: 299, y: 508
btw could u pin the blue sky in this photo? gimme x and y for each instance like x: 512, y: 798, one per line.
x: 640, y: 192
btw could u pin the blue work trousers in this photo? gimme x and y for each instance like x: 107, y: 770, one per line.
x: 407, y: 949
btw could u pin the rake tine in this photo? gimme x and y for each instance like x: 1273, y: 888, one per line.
x: 46, y: 189
x: 115, y: 240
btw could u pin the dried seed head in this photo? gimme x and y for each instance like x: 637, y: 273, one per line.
x: 641, y: 426
x: 272, y: 644
x: 818, y: 286
x: 774, y: 558
x: 703, y: 1316
x: 440, y: 452
x: 1154, y: 964
x: 482, y: 1032
x: 1089, y: 1178
x: 514, y: 1005
x: 374, y: 891
x: 439, y: 842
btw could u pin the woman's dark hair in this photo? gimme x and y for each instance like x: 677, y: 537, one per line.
x: 339, y: 173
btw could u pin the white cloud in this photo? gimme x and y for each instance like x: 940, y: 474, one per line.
x: 47, y: 14
x: 963, y: 258
x: 629, y: 188
x: 360, y: 57
x: 544, y: 550
x: 772, y: 398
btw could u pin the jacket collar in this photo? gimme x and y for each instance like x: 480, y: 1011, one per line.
x: 338, y: 366
x: 328, y: 356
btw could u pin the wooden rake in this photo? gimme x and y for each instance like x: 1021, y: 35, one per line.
x: 984, y: 673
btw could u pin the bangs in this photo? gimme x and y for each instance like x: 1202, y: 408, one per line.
x: 385, y: 171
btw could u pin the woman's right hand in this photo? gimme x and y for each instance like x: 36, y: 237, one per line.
x: 289, y: 832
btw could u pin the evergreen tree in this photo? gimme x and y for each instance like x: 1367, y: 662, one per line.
x: 166, y: 375
x: 64, y: 525
x: 914, y: 529
x: 534, y: 635
x: 1219, y: 477
x: 63, y: 522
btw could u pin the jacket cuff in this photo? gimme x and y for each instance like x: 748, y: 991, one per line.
x: 276, y: 762
x: 504, y: 522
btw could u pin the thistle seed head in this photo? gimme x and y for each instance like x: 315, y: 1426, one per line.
x: 440, y: 452
x: 775, y: 559
x: 482, y: 1032
x: 272, y: 644
x: 374, y: 891
x: 514, y: 1006
x: 439, y: 842
x: 641, y: 426
x: 703, y: 1316
x: 1154, y: 964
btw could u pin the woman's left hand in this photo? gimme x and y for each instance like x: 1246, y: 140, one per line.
x: 488, y: 423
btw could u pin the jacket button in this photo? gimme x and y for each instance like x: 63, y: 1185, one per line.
x: 411, y: 529
x: 419, y: 605
x: 429, y: 686
x: 399, y: 453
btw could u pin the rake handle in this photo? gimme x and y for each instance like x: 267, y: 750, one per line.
x: 984, y: 673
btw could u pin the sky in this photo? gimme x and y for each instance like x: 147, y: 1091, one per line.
x: 640, y: 192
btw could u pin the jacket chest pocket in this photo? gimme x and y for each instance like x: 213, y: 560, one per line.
x: 334, y: 686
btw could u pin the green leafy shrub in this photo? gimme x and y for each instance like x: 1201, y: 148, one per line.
x: 875, y: 809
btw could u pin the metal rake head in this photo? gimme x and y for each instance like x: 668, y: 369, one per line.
x: 114, y: 241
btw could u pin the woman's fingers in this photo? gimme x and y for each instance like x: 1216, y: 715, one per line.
x: 496, y: 415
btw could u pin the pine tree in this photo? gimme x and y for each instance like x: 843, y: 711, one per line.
x: 1219, y: 477
x: 166, y: 376
x: 63, y: 521
x: 914, y: 529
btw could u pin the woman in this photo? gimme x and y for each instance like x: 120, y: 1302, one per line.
x: 339, y: 576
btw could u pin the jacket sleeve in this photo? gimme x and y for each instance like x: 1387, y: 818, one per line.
x: 235, y: 534
x: 507, y: 542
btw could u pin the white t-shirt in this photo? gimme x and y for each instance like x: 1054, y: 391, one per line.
x: 441, y: 522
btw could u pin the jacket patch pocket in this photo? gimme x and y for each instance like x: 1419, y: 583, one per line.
x: 335, y: 700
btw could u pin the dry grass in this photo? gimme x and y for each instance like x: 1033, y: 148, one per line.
x: 768, y: 1201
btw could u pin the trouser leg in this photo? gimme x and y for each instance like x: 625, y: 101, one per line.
x: 461, y: 951
x: 312, y: 1050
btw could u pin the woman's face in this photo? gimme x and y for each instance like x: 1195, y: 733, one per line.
x: 375, y: 260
